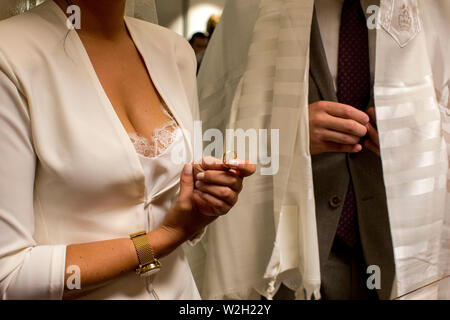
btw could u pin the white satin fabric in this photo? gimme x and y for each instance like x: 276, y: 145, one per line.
x: 436, y: 19
x: 162, y: 175
x: 70, y: 173
x: 270, y: 236
x: 412, y: 104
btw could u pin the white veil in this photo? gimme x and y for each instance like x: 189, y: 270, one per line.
x: 141, y: 9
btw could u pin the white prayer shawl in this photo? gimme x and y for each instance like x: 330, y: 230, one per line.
x: 271, y: 234
x: 412, y: 98
x: 410, y: 70
x: 282, y: 53
x: 255, y: 75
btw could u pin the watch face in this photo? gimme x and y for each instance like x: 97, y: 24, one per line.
x: 149, y: 269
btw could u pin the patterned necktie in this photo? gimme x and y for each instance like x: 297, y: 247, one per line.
x: 353, y: 83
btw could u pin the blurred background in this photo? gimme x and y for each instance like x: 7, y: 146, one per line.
x: 187, y: 17
x: 195, y: 20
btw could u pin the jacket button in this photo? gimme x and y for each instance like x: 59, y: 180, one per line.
x: 335, y: 202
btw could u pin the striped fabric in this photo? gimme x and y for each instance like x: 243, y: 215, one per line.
x: 413, y: 148
x: 262, y: 83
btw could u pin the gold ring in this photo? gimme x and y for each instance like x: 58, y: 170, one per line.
x: 224, y: 157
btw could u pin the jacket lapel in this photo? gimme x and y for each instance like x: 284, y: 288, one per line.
x: 319, y: 70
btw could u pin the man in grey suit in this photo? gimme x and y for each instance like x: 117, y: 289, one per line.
x: 351, y: 211
x: 352, y: 218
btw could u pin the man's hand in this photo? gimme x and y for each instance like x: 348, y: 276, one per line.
x: 336, y: 127
x: 373, y: 141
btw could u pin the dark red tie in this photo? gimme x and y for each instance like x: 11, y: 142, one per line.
x: 353, y: 88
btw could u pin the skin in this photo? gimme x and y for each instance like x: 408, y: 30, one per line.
x: 336, y: 127
x: 128, y: 85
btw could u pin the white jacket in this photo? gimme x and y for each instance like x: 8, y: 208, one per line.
x: 69, y: 172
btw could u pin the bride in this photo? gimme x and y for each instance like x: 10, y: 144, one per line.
x: 92, y: 122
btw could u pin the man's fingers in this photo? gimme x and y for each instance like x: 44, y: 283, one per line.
x: 336, y: 147
x: 338, y: 137
x: 347, y: 126
x: 346, y: 112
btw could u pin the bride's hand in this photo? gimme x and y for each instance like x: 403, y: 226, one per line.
x: 217, y: 186
x: 216, y: 192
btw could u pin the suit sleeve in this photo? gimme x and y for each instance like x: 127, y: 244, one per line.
x: 27, y: 270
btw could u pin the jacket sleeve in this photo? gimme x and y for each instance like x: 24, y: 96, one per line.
x: 27, y: 270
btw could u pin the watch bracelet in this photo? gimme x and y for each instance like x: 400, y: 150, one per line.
x: 143, y: 248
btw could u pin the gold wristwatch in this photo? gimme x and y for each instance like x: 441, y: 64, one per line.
x: 148, y: 264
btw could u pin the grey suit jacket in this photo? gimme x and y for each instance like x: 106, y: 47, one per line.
x: 332, y: 173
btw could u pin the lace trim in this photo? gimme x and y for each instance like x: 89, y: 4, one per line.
x: 160, y: 141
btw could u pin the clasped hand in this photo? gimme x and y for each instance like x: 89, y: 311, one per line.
x: 336, y: 127
x: 207, y: 190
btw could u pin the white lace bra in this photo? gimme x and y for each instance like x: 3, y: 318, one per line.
x: 161, y: 139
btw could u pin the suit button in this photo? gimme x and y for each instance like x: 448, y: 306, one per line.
x: 335, y: 202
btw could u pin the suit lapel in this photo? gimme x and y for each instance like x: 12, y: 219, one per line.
x: 319, y: 70
x: 372, y: 43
